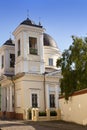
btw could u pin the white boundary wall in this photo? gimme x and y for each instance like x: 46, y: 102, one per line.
x: 75, y: 110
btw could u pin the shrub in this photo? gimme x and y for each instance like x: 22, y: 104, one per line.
x: 53, y: 113
x: 42, y: 113
x: 29, y: 114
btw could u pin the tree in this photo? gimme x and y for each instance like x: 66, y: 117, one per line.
x: 73, y: 64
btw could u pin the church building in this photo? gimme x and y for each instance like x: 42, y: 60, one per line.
x: 29, y: 77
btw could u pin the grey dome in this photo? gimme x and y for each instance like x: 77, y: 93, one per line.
x: 9, y: 42
x: 49, y: 41
x: 30, y: 23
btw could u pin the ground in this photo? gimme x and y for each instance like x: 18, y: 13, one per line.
x: 49, y: 125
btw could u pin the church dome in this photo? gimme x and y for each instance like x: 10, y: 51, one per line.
x: 27, y: 22
x: 9, y: 42
x: 30, y: 23
x: 49, y: 41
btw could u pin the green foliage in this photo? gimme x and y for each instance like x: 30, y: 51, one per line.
x: 74, y: 67
x: 53, y: 113
x: 29, y: 114
x: 43, y: 113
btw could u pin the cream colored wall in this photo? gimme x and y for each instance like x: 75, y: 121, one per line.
x: 75, y: 110
x: 23, y: 61
x: 27, y: 85
x: 6, y: 93
x: 33, y: 87
x: 33, y: 83
x: 18, y: 87
x: 51, y: 52
x: 6, y: 51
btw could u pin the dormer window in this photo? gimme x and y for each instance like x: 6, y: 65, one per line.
x: 33, y: 45
x: 19, y: 48
x: 2, y: 61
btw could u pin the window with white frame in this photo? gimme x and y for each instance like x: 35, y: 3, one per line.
x: 50, y: 62
x: 34, y: 100
x: 52, y: 100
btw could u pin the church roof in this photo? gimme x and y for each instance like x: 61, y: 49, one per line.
x: 9, y: 42
x: 30, y: 23
x: 49, y: 41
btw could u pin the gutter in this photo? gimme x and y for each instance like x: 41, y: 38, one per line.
x: 44, y: 89
x: 14, y: 93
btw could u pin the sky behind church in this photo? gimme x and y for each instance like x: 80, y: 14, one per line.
x: 60, y: 18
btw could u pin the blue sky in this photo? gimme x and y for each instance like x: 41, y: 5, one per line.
x: 60, y: 18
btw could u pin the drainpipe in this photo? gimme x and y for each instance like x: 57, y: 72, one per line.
x: 14, y: 91
x: 44, y: 91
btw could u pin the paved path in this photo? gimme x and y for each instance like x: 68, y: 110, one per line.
x: 29, y: 125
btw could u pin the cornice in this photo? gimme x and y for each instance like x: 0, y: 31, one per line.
x: 27, y: 28
x: 6, y: 47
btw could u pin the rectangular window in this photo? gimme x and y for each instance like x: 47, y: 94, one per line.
x: 2, y: 61
x: 19, y: 48
x: 12, y: 60
x: 34, y: 100
x: 33, y: 45
x: 50, y: 61
x: 52, y: 100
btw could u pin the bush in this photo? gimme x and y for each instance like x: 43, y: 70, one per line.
x: 29, y: 114
x: 42, y: 113
x: 53, y: 113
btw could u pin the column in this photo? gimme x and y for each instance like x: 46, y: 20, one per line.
x: 56, y: 97
x: 8, y: 101
x: 57, y: 91
x: 48, y: 114
x: 2, y: 99
x: 47, y: 96
x: 41, y: 53
x: 11, y: 99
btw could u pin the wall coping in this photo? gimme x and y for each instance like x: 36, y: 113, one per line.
x: 80, y: 92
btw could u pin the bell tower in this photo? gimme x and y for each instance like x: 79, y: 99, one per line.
x: 29, y: 48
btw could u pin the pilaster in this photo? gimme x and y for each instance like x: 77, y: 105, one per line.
x: 11, y: 99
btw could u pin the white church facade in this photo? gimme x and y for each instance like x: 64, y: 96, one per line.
x: 29, y: 77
